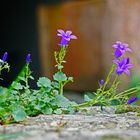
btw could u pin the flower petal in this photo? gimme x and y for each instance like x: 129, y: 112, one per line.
x: 59, y: 34
x: 118, y: 42
x: 118, y: 53
x: 73, y: 37
x: 116, y: 61
x: 102, y: 82
x: 4, y: 57
x: 119, y: 71
x: 132, y: 99
x: 128, y: 49
x: 114, y: 46
x: 68, y: 33
x: 127, y: 72
x: 67, y: 38
x: 61, y: 31
x: 129, y: 66
x: 28, y: 58
x: 63, y: 42
x: 127, y: 60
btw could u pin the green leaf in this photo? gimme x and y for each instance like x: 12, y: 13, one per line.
x: 135, y: 79
x: 69, y: 110
x: 14, y: 92
x: 60, y: 77
x: 22, y: 78
x: 37, y: 107
x: 138, y: 95
x: 19, y: 114
x: 61, y: 101
x: 2, y: 111
x: 31, y: 77
x: 46, y: 99
x: 47, y: 110
x: 58, y: 111
x: 115, y: 102
x: 3, y: 95
x: 44, y: 82
x: 3, y: 90
x: 17, y: 86
x: 70, y: 79
x: 55, y: 85
x: 87, y: 98
x: 60, y: 67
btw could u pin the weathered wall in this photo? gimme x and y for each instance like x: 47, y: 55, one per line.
x: 98, y: 24
x: 84, y: 59
x: 121, y: 22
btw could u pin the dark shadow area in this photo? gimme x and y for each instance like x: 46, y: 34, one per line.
x: 18, y: 36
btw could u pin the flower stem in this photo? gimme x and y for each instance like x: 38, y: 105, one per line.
x: 86, y: 104
x: 115, y: 80
x: 61, y: 88
x: 129, y: 91
x: 108, y: 77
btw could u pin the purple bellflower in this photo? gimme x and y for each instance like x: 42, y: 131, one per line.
x: 131, y: 100
x: 121, y: 48
x: 123, y: 66
x: 28, y: 58
x: 66, y: 36
x: 4, y: 57
x: 102, y: 82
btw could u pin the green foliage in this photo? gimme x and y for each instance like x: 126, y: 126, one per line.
x: 87, y: 98
x: 61, y: 78
x: 18, y: 114
x: 127, y: 108
x: 44, y: 82
x: 135, y: 81
x: 19, y: 100
x: 107, y: 95
x: 4, y: 65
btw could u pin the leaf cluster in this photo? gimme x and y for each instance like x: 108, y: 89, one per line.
x: 20, y: 101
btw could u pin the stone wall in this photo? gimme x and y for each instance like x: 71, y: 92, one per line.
x: 91, y: 125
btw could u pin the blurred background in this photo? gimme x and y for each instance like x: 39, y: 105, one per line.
x: 30, y: 26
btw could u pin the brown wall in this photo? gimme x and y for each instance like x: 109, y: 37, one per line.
x: 98, y: 24
x: 84, y: 59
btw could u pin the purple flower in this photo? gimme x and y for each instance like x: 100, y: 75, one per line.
x: 121, y: 48
x: 28, y: 58
x: 123, y: 66
x: 102, y: 82
x: 4, y: 57
x: 66, y: 36
x: 131, y: 100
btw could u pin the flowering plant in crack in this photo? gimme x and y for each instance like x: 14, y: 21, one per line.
x: 17, y: 96
x: 107, y: 93
x: 60, y: 78
x: 19, y: 100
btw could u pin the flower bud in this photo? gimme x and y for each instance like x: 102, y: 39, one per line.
x: 28, y: 58
x: 4, y: 57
